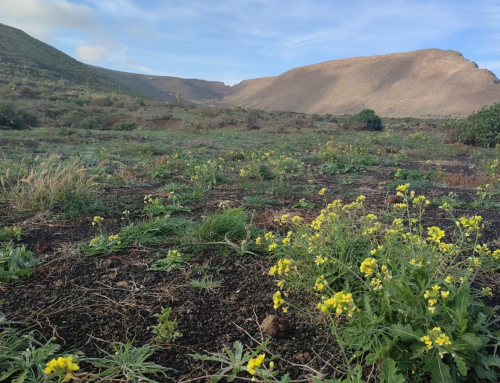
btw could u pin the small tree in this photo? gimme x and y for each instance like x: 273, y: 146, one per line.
x: 11, y: 118
x: 483, y: 127
x: 368, y: 119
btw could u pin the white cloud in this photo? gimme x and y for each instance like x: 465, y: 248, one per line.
x: 91, y: 52
x: 39, y: 17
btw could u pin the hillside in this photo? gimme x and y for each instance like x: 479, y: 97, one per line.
x: 420, y: 83
x: 23, y: 57
x: 165, y: 88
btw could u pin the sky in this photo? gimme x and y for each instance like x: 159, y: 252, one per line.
x: 234, y: 40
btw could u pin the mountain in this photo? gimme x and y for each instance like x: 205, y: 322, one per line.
x: 165, y: 88
x: 412, y: 84
x: 23, y: 57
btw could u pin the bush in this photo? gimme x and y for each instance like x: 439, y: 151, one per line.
x: 79, y: 101
x: 102, y: 101
x: 15, y: 119
x: 125, y: 125
x: 483, y: 127
x: 93, y: 122
x: 365, y: 120
x: 71, y: 119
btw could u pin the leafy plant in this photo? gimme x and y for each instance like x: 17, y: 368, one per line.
x: 15, y: 262
x: 125, y: 126
x: 206, y: 283
x: 166, y: 329
x: 128, y: 363
x: 340, y: 168
x: 10, y: 234
x: 397, y: 293
x: 22, y: 357
x: 234, y: 361
x: 173, y: 260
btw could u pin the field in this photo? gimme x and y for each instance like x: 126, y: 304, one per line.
x: 164, y: 248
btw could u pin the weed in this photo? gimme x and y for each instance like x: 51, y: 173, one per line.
x: 206, y: 283
x: 216, y: 227
x: 166, y: 329
x: 173, y: 260
x: 126, y: 363
x: 15, y: 262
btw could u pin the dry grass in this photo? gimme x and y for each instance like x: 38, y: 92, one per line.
x: 49, y: 183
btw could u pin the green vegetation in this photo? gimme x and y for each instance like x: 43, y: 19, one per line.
x: 482, y: 128
x: 186, y: 208
x: 11, y: 118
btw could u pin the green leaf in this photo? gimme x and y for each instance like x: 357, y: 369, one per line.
x: 404, y: 331
x: 440, y: 372
x: 461, y: 365
x: 388, y: 372
x: 471, y: 339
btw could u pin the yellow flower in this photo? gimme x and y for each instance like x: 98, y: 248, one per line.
x: 444, y: 294
x: 432, y: 309
x: 272, y: 246
x: 435, y: 234
x: 322, y: 191
x: 367, y: 266
x: 296, y: 219
x: 448, y: 279
x: 273, y: 270
x: 319, y: 260
x: 403, y: 188
x: 258, y: 240
x: 254, y: 363
x: 277, y: 299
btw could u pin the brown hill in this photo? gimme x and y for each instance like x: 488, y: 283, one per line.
x: 414, y: 84
x: 165, y: 88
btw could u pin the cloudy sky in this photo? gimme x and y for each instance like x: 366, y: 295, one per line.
x: 233, y: 40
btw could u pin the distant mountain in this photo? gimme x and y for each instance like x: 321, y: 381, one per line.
x: 429, y: 82
x: 165, y: 88
x: 23, y: 57
x: 420, y: 83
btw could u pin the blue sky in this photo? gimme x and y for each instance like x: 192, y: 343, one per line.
x: 233, y: 40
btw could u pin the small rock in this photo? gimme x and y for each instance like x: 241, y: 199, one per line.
x: 121, y: 283
x: 274, y: 326
x: 391, y: 200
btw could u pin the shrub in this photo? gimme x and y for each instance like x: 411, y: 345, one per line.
x: 92, y: 122
x: 396, y: 296
x: 15, y: 119
x: 125, y: 125
x: 79, y: 101
x: 102, y: 101
x: 71, y: 118
x: 366, y: 120
x: 483, y: 127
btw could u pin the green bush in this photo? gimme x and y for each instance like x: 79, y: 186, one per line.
x: 15, y: 119
x: 125, y: 125
x: 71, y: 118
x: 102, y: 101
x: 483, y: 127
x: 92, y: 122
x: 79, y: 101
x: 366, y: 120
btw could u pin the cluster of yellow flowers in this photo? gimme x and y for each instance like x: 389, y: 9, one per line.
x: 435, y: 234
x: 321, y: 283
x: 277, y: 299
x: 148, y: 198
x: 61, y: 366
x: 431, y: 296
x: 255, y: 363
x: 436, y: 337
x: 282, y: 267
x: 97, y: 220
x: 341, y: 302
x: 368, y: 266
